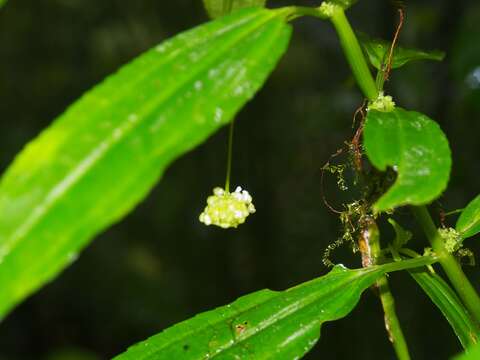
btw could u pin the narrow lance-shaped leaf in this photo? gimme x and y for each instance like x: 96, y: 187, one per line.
x: 100, y: 158
x: 450, y: 305
x: 377, y: 53
x: 217, y: 8
x: 266, y: 324
x: 468, y: 223
x: 416, y: 148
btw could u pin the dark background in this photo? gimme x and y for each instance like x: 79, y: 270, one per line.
x: 160, y: 265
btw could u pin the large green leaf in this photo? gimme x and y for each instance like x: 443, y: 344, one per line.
x: 468, y: 223
x: 450, y: 305
x: 377, y: 52
x: 418, y: 151
x: 266, y: 324
x: 217, y: 8
x: 100, y: 158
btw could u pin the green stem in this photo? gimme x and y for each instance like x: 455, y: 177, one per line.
x: 367, y: 84
x: 349, y: 42
x: 354, y: 54
x: 370, y: 238
x: 411, y: 253
x: 380, y: 80
x: 448, y: 262
x: 392, y: 324
x: 229, y: 155
x: 299, y: 11
x: 409, y: 264
x: 453, y: 212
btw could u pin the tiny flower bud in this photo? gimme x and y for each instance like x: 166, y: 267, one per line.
x: 225, y: 209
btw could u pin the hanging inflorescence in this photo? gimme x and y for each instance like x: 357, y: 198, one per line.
x: 227, y: 210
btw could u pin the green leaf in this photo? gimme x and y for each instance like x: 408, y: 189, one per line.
x: 418, y: 151
x: 218, y: 8
x: 468, y: 223
x: 377, y: 52
x: 450, y: 305
x: 266, y: 324
x: 2, y: 3
x: 104, y: 154
x: 402, y: 236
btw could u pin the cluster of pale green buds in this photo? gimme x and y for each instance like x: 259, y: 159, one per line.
x: 226, y: 210
x: 452, y: 239
x: 383, y: 103
x: 327, y: 9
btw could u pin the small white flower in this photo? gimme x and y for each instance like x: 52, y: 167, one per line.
x: 226, y: 210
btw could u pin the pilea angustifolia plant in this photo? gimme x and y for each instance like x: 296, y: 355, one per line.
x: 75, y: 179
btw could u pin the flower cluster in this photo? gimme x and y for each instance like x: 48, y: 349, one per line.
x: 226, y: 210
x: 452, y: 238
x: 383, y: 103
x: 327, y: 9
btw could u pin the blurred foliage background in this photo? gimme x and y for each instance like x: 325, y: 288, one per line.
x: 160, y: 265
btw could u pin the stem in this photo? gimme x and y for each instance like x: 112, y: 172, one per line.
x: 380, y: 80
x: 453, y: 212
x: 369, y: 241
x: 392, y: 324
x: 299, y: 11
x: 412, y: 254
x: 354, y: 54
x: 229, y: 155
x: 448, y: 262
x: 365, y: 80
x: 409, y: 264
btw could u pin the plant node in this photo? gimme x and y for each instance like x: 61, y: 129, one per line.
x: 382, y: 103
x: 428, y: 251
x: 452, y: 239
x: 327, y: 9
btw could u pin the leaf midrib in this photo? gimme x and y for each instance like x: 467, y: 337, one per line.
x: 306, y: 302
x: 311, y: 300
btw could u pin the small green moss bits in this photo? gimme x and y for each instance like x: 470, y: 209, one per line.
x: 227, y: 210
